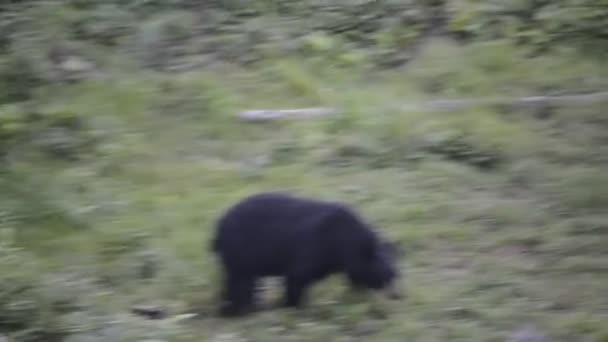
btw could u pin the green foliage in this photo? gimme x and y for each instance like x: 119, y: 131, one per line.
x: 59, y: 133
x: 540, y: 24
x: 19, y: 78
x: 318, y: 42
x: 581, y: 189
x: 32, y: 307
x: 106, y: 25
x: 492, y: 204
x: 388, y: 32
x: 457, y: 147
x: 164, y: 36
x: 12, y: 123
x: 37, y: 305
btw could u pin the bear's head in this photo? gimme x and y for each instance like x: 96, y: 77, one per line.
x: 378, y: 268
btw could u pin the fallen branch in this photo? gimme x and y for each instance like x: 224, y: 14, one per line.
x: 522, y: 102
x: 435, y: 105
x: 272, y: 114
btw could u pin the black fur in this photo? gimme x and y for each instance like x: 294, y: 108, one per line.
x: 303, y: 240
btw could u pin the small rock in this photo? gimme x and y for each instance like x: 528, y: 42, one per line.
x: 149, y: 312
x: 528, y: 334
x: 366, y: 328
x: 228, y: 337
x: 75, y: 65
x: 74, y: 68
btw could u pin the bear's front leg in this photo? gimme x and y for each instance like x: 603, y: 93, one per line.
x: 295, y: 291
x: 237, y: 296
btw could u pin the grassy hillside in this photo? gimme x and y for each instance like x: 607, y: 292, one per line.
x: 112, y: 180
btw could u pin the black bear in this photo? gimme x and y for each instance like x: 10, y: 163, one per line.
x: 302, y: 240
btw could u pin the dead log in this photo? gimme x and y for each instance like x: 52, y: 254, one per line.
x: 448, y: 105
x: 273, y: 114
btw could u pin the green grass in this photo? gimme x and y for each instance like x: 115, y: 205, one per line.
x: 488, y: 251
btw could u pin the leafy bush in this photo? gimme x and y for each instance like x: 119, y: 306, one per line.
x: 541, y: 24
x: 163, y: 37
x: 580, y: 189
x: 62, y: 134
x: 19, y: 78
x: 388, y: 30
x: 60, y: 306
x: 106, y: 25
x: 459, y: 147
x: 33, y: 307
